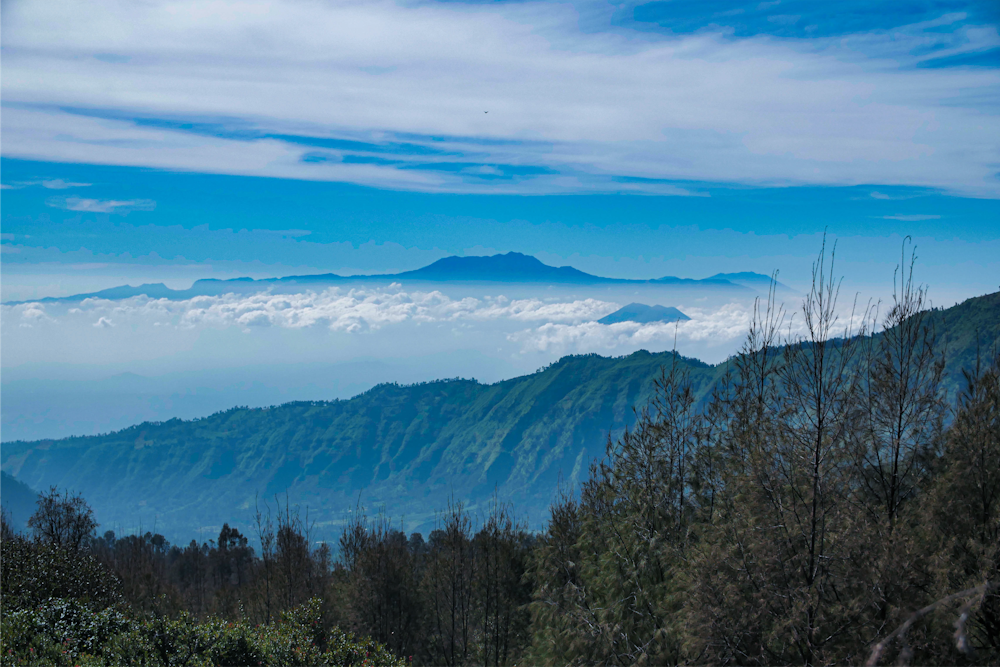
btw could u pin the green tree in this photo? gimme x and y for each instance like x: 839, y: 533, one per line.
x: 962, y: 525
x: 502, y: 593
x: 614, y: 594
x: 778, y: 578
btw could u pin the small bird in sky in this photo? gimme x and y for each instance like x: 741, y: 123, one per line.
x: 486, y: 112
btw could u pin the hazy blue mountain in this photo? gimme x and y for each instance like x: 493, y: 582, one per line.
x: 18, y: 501
x: 407, y: 449
x: 756, y: 281
x: 643, y: 314
x: 512, y: 267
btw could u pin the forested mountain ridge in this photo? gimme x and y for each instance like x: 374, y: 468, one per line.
x: 408, y: 448
x: 405, y: 448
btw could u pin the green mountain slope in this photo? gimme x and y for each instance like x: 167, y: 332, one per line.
x: 408, y: 448
x: 405, y: 448
x: 18, y: 501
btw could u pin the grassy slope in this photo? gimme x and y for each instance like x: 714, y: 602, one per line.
x: 404, y: 448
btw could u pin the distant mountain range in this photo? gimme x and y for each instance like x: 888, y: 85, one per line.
x: 512, y: 267
x: 407, y: 449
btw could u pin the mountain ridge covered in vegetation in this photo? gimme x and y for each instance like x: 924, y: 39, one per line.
x: 404, y: 449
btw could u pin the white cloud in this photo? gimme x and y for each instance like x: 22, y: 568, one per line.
x: 911, y: 217
x: 714, y: 333
x: 495, y: 335
x: 535, y: 309
x: 121, y: 207
x: 27, y: 314
x: 588, y: 108
x: 720, y: 327
x: 60, y: 184
x: 555, y: 326
x: 351, y: 311
x: 50, y: 184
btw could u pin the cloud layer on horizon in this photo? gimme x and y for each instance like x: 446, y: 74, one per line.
x: 372, y: 321
x: 395, y: 94
x: 549, y: 326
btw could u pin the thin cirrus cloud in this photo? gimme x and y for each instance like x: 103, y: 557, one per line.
x: 117, y: 206
x: 916, y: 217
x: 394, y: 94
x: 48, y: 184
x: 60, y: 184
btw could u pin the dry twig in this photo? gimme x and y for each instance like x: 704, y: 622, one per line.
x: 961, y: 640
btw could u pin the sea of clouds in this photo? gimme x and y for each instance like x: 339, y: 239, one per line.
x: 547, y: 325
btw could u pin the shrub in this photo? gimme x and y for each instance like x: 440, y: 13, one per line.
x: 33, y: 572
x: 67, y: 632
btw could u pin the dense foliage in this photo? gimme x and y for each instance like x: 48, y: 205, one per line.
x: 66, y: 632
x: 455, y: 599
x: 102, y: 601
x: 804, y: 512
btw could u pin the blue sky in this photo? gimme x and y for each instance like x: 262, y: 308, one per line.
x: 172, y: 140
x: 69, y: 228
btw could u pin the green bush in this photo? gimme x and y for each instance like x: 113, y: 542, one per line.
x: 67, y: 632
x: 33, y: 572
x: 58, y: 632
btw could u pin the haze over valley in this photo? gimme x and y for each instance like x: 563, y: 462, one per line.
x: 96, y: 362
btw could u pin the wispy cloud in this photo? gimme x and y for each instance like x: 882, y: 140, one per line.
x: 911, y: 217
x: 393, y: 95
x: 48, y: 184
x: 117, y: 206
x: 60, y: 184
